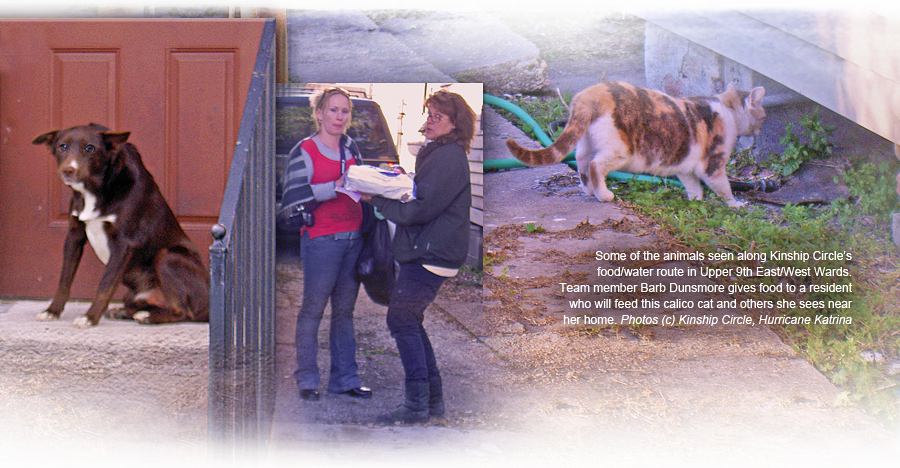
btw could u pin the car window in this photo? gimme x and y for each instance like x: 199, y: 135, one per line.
x: 294, y: 121
x: 368, y: 130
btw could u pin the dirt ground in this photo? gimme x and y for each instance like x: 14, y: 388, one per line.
x: 738, y: 385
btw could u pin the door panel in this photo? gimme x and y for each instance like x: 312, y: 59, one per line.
x: 208, y: 77
x: 177, y: 85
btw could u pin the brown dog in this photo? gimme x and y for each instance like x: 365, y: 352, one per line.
x: 118, y: 208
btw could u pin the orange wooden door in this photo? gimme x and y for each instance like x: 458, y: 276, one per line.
x: 177, y: 85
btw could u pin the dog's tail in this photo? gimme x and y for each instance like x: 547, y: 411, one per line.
x: 580, y: 119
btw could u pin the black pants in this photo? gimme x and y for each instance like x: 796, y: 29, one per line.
x: 415, y: 289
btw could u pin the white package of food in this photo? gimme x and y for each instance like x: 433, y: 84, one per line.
x: 370, y: 179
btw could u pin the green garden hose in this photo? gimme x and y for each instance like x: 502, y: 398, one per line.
x: 511, y: 163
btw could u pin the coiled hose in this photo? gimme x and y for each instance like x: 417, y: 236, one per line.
x: 510, y: 163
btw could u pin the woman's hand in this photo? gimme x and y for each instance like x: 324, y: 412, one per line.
x: 340, y: 181
x: 365, y: 197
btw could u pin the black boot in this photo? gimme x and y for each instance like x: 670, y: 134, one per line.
x: 414, y: 409
x: 436, y: 397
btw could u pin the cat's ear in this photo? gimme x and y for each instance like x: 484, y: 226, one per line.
x: 730, y: 97
x: 756, y: 96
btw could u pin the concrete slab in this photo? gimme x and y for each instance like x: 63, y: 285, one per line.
x: 19, y: 324
x: 576, y: 76
x: 338, y: 430
x: 472, y: 46
x: 513, y: 197
x: 347, y: 47
x: 118, y: 394
x: 406, y: 446
x: 499, y: 129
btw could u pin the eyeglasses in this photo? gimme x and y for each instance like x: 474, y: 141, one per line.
x: 436, y: 118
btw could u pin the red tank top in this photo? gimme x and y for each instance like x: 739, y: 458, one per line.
x: 338, y: 214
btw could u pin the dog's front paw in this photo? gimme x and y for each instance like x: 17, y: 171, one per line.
x: 83, y: 322
x: 142, y: 317
x: 47, y: 316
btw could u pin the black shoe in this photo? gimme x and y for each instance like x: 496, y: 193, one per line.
x: 403, y: 415
x: 413, y: 410
x: 309, y: 394
x: 358, y: 392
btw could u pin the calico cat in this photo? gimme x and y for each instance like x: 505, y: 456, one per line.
x: 617, y: 126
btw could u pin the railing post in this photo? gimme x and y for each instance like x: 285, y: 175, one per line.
x: 218, y: 354
x: 242, y: 269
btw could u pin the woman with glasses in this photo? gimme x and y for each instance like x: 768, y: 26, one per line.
x: 431, y: 244
x: 329, y: 249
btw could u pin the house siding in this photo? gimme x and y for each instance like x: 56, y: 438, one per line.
x: 845, y: 61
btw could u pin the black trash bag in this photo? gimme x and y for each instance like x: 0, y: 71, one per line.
x: 375, y: 268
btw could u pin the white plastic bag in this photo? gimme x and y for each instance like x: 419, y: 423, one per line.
x: 370, y: 179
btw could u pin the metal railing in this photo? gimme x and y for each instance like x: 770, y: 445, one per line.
x: 242, y: 264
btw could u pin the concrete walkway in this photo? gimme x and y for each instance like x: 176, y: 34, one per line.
x: 341, y: 431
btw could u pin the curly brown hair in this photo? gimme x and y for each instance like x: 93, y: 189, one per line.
x: 461, y: 115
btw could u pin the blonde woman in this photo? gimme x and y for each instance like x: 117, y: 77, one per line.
x: 329, y: 250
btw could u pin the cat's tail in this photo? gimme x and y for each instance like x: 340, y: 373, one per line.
x: 564, y: 144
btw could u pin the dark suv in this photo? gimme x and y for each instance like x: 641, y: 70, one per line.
x: 294, y: 122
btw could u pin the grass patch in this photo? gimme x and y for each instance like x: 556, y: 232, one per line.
x: 549, y: 111
x: 855, y: 356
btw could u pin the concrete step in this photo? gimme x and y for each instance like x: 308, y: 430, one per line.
x: 472, y: 46
x: 348, y: 46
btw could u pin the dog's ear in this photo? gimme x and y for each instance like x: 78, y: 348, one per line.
x: 97, y: 127
x: 45, y: 139
x: 114, y: 141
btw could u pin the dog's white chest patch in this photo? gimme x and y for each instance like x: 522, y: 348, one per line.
x: 97, y: 237
x: 94, y: 224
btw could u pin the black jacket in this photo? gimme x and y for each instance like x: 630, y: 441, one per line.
x: 434, y: 228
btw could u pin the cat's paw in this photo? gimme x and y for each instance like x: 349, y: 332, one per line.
x: 605, y: 195
x: 735, y: 203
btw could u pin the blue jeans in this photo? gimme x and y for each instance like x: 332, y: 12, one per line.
x: 415, y: 289
x: 329, y: 272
